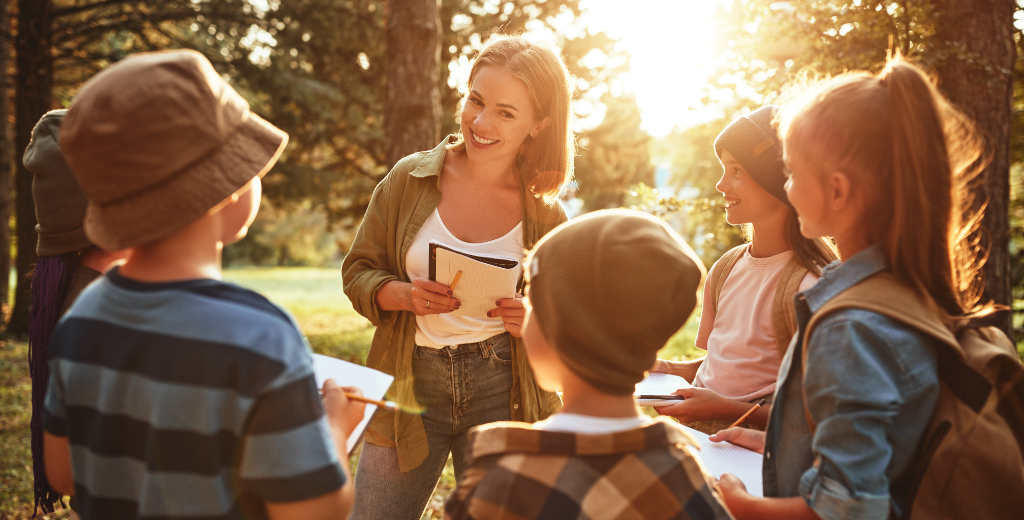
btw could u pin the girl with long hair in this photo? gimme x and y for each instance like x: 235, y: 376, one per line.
x: 880, y: 163
x: 746, y: 320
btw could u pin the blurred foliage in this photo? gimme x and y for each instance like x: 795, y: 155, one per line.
x: 768, y: 42
x: 613, y: 156
x: 289, y: 234
x: 766, y: 45
x: 695, y: 170
x: 1017, y: 250
x: 1017, y: 186
x: 317, y: 69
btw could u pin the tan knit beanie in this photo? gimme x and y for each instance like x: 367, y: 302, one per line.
x: 608, y: 290
x: 59, y: 202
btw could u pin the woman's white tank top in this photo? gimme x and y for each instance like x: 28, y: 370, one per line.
x: 441, y: 330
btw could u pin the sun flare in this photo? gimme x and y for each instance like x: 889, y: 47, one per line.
x: 672, y: 55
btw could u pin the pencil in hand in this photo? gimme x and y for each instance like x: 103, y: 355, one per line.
x: 748, y: 413
x: 455, y: 280
x: 390, y: 405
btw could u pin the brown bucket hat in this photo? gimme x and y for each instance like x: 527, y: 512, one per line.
x: 157, y: 140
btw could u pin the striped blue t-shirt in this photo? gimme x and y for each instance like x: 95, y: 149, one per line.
x: 186, y: 399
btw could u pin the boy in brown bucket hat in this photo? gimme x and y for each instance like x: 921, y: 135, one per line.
x: 173, y: 394
x: 605, y: 291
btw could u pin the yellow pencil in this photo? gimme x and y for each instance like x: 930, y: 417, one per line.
x: 390, y: 405
x: 747, y: 414
x: 455, y: 279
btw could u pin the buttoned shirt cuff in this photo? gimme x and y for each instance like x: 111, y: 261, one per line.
x: 831, y: 500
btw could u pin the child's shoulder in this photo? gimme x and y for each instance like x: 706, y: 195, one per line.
x: 202, y: 310
x: 640, y: 462
x: 228, y: 296
x: 511, y: 437
x: 730, y: 257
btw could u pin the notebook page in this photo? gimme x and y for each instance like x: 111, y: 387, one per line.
x: 372, y: 383
x: 657, y: 383
x: 722, y: 457
x: 480, y: 285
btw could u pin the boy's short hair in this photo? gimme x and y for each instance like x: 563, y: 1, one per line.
x: 608, y: 290
x: 157, y: 140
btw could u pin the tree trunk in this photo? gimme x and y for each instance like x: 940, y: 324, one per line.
x: 5, y: 156
x: 976, y: 73
x: 32, y: 96
x: 412, y: 118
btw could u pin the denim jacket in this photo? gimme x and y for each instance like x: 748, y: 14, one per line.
x: 871, y: 387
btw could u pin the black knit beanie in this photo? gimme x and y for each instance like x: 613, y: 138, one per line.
x: 753, y: 141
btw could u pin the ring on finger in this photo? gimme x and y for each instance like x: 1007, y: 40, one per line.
x: 428, y: 304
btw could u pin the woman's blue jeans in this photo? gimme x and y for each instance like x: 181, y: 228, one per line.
x: 461, y: 387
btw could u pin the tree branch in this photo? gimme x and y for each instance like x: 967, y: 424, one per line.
x: 76, y: 32
x: 75, y: 9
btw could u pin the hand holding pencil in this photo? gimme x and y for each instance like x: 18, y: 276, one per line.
x: 745, y: 437
x: 343, y: 413
x: 390, y: 405
x: 428, y: 297
x: 353, y: 394
x: 747, y: 414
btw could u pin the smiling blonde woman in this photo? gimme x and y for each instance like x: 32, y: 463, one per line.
x: 489, y: 192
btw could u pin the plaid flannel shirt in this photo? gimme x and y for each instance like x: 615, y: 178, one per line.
x: 516, y: 472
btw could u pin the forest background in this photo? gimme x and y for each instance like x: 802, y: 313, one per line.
x: 360, y: 83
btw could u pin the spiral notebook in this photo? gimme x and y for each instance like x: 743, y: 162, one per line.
x: 484, y: 279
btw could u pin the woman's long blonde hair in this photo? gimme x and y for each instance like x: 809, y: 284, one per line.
x: 912, y: 155
x: 545, y: 161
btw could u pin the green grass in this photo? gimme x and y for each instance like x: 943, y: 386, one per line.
x: 324, y: 314
x: 315, y: 298
x: 15, y: 459
x: 15, y: 414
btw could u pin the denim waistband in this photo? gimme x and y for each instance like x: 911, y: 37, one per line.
x: 484, y: 347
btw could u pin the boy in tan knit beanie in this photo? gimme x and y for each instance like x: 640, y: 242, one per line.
x: 605, y: 291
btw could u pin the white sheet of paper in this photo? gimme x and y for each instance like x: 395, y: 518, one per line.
x: 481, y: 283
x: 373, y: 384
x: 723, y: 457
x: 657, y: 383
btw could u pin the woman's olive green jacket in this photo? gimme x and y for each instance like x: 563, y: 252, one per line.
x: 398, y: 208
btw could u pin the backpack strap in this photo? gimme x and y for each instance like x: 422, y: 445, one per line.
x: 884, y: 294
x: 721, y: 270
x: 783, y: 312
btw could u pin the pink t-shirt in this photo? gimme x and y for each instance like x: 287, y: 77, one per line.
x: 743, y: 357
